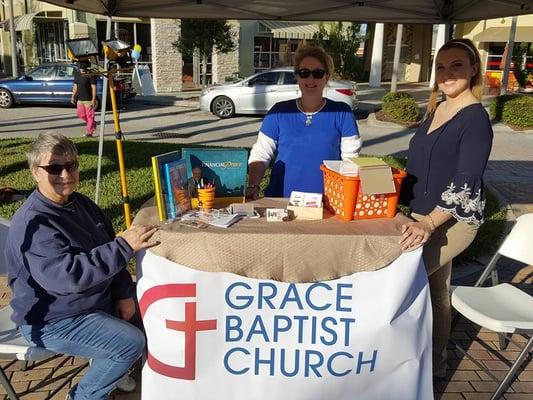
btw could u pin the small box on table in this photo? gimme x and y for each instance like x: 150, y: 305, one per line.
x: 306, y: 205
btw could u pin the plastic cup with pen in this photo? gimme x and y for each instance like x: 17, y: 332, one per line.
x: 206, y: 195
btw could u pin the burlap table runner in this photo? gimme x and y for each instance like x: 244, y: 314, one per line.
x: 294, y: 251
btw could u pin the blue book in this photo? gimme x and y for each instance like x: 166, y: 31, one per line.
x: 176, y: 188
x: 160, y: 188
x: 225, y: 168
x: 170, y: 197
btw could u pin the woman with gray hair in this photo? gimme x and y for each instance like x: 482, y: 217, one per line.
x: 66, y: 269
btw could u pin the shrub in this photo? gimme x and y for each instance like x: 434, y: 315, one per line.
x: 515, y: 110
x: 400, y: 106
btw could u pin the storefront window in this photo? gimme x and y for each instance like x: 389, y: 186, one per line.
x: 495, y: 55
x: 273, y: 52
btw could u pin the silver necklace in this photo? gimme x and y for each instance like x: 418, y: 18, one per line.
x: 309, y: 116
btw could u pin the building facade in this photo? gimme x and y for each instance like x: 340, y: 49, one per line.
x: 415, y: 54
x: 42, y: 30
x: 491, y: 37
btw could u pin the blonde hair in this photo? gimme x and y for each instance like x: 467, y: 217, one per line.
x: 476, y: 82
x: 316, y: 52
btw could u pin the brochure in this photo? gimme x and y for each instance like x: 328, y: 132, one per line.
x: 213, y: 217
x: 305, y: 199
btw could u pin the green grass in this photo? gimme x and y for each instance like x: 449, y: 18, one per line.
x: 14, y: 173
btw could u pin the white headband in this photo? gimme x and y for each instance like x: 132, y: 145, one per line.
x: 470, y: 49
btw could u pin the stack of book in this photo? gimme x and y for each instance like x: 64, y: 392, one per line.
x: 171, y: 185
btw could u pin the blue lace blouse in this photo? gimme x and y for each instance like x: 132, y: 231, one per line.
x: 445, y: 168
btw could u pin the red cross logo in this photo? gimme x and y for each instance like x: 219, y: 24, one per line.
x: 190, y: 326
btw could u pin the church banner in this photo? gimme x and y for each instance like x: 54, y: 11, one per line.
x: 223, y: 336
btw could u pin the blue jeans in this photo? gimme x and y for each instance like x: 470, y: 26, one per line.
x: 113, y: 344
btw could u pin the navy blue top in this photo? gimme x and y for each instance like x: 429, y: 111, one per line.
x: 301, y: 148
x: 445, y: 168
x: 64, y: 260
x: 84, y: 86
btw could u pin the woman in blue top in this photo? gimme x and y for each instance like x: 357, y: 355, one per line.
x: 301, y: 133
x: 444, y: 188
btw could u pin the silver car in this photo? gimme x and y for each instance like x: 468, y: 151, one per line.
x: 258, y: 93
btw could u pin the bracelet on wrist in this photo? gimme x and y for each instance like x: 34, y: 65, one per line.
x: 252, y: 187
x: 430, y: 222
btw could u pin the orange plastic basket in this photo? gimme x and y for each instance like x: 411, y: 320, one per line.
x: 342, y: 196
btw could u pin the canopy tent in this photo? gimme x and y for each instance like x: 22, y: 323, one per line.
x: 394, y: 11
x: 405, y: 11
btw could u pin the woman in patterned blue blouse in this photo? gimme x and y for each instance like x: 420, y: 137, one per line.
x: 444, y: 188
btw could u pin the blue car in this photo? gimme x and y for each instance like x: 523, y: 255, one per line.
x: 47, y: 83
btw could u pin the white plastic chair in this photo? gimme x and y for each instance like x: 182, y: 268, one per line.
x: 13, y: 346
x: 502, y: 308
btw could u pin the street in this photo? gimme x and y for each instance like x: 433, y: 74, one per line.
x: 138, y: 122
x: 174, y: 124
x: 189, y: 125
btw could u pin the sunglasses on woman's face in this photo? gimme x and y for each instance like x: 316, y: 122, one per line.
x: 305, y: 72
x: 57, y: 169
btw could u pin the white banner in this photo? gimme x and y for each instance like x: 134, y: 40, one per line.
x: 223, y: 336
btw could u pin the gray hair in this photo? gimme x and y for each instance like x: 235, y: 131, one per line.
x: 50, y: 142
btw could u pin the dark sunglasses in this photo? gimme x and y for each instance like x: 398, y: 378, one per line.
x: 57, y: 169
x: 317, y: 73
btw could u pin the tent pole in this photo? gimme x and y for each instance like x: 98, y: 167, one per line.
x: 103, y: 108
x: 13, y: 33
x: 397, y: 51
x: 441, y: 39
x: 377, y: 56
x: 508, y: 55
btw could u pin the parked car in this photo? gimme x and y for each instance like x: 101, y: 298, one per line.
x: 50, y: 84
x: 258, y: 93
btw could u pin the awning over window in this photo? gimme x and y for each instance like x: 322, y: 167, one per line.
x: 22, y: 22
x: 501, y: 34
x: 288, y: 30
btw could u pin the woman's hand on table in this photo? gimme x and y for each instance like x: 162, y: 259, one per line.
x: 140, y: 237
x: 252, y: 192
x: 126, y: 309
x: 415, y: 234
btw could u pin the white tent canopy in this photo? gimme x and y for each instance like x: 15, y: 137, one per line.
x: 404, y: 11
